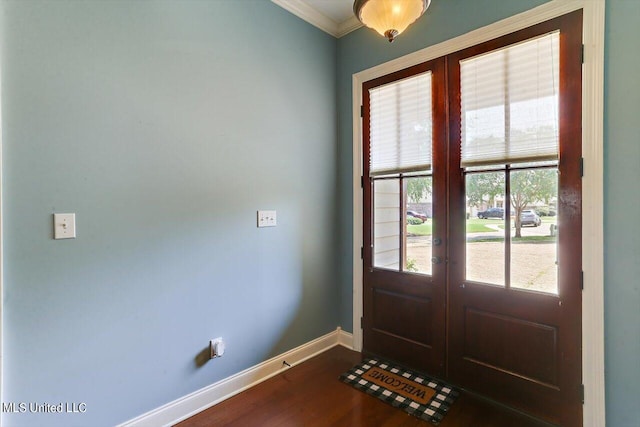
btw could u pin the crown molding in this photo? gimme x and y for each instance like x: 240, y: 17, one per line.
x: 304, y: 11
x: 347, y: 26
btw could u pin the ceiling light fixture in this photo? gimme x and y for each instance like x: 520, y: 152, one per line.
x: 389, y: 17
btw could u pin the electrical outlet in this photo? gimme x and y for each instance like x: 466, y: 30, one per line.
x: 216, y: 348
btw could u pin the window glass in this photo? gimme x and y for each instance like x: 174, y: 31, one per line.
x: 418, y: 224
x: 485, y: 227
x: 386, y: 223
x: 534, y: 239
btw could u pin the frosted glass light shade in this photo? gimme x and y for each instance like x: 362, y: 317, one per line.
x: 389, y: 17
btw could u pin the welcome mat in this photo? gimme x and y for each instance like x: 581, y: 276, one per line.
x: 415, y: 393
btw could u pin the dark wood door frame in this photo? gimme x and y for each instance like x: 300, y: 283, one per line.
x: 593, y: 196
x: 570, y: 185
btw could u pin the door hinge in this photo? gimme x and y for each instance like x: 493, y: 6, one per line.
x: 362, y: 111
x: 361, y: 252
x: 582, y: 55
x: 362, y: 323
x: 581, y: 166
x: 582, y: 393
x: 582, y: 280
x: 362, y: 182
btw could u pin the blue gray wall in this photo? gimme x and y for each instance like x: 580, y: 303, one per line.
x: 164, y: 126
x: 621, y: 208
x: 364, y: 49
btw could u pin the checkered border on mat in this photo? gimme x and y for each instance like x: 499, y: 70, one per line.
x: 433, y: 411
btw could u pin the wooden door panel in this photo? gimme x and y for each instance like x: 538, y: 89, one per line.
x: 410, y: 353
x: 403, y: 320
x: 417, y: 285
x: 511, y: 345
x: 540, y: 400
x: 507, y: 346
x: 403, y: 316
x: 516, y: 347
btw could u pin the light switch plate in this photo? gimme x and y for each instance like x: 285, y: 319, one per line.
x: 267, y: 219
x: 64, y: 226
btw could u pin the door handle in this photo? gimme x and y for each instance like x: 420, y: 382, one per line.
x: 436, y: 260
x: 437, y: 241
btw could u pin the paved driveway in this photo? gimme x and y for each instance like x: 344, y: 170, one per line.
x: 533, y: 264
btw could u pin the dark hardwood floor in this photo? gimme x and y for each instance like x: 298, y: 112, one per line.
x: 310, y: 394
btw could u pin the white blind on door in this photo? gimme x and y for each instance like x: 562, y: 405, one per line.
x: 400, y: 126
x: 509, y: 100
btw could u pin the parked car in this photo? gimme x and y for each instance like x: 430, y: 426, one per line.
x: 418, y: 215
x: 492, y: 213
x: 530, y: 217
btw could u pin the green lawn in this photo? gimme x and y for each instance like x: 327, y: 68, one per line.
x: 545, y: 220
x: 473, y: 226
x: 423, y: 229
x: 476, y: 225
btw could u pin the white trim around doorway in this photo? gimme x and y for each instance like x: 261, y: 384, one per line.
x: 592, y: 196
x: 1, y: 263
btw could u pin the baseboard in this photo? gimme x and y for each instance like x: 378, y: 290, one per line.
x: 345, y: 339
x: 193, y: 403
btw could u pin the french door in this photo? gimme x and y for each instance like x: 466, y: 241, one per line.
x: 404, y: 269
x: 472, y: 218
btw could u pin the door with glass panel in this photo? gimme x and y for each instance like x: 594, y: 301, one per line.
x: 515, y: 219
x: 405, y: 219
x: 486, y: 290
